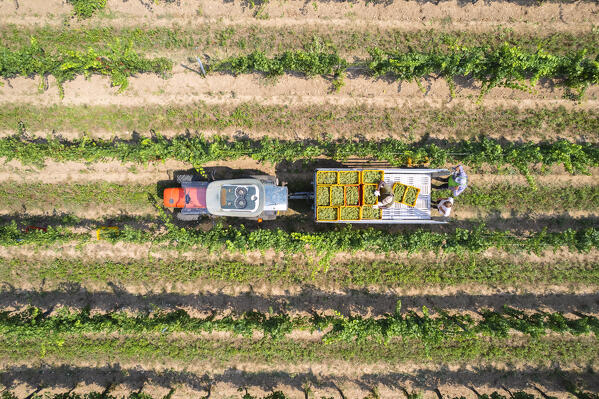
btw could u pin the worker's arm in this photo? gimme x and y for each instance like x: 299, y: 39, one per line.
x: 457, y: 190
x: 377, y: 192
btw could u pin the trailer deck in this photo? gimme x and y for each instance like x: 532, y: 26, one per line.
x: 401, y: 213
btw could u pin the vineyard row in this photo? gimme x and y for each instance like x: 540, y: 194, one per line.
x: 576, y: 158
x: 325, y: 242
x: 32, y: 323
x: 305, y: 120
x: 507, y: 66
x: 471, y: 270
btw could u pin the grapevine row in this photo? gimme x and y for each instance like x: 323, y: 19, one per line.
x: 576, y: 158
x: 118, y: 61
x: 326, y: 243
x: 507, y: 66
x: 32, y: 323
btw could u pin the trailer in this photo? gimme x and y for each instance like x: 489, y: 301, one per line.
x: 263, y: 198
x: 399, y: 213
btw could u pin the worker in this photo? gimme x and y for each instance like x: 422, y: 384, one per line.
x: 384, y: 196
x: 444, y: 206
x: 456, y: 182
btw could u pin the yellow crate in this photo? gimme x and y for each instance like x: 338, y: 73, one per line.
x: 364, y: 186
x: 399, y: 199
x: 320, y: 173
x: 379, y: 212
x: 101, y: 231
x: 327, y: 188
x: 357, y: 178
x: 348, y: 207
x: 363, y: 181
x: 337, y: 187
x: 320, y: 208
x: 403, y: 200
x: 345, y: 194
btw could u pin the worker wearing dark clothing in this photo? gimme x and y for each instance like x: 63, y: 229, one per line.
x: 384, y: 196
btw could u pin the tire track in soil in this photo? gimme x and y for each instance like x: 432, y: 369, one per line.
x: 223, y: 381
x: 186, y: 87
x: 479, y: 16
x: 425, y: 374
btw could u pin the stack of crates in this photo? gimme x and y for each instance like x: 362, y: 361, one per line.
x: 345, y: 195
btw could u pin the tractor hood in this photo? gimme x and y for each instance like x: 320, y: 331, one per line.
x: 237, y: 197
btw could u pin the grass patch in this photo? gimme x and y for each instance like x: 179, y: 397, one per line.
x: 349, y: 42
x: 523, y: 198
x: 410, y: 273
x: 405, y: 122
x: 76, y: 197
x: 157, y: 348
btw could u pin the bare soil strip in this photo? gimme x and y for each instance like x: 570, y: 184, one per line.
x: 186, y: 87
x: 306, y: 300
x: 480, y: 16
x: 324, y: 380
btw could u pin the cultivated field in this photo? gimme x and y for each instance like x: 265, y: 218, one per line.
x: 103, y: 103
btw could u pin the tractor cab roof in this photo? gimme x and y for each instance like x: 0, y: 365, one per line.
x: 238, y: 197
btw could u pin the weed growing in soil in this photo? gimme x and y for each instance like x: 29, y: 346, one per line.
x: 86, y: 8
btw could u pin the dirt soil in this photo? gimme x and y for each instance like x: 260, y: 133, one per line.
x: 478, y: 16
x: 339, y: 380
x: 185, y: 87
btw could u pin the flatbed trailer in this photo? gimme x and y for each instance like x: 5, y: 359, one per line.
x: 421, y: 213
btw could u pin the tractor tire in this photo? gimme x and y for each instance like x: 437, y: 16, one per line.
x: 184, y: 178
x: 186, y: 217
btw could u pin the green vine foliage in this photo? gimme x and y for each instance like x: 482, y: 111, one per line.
x: 326, y: 243
x: 576, y: 158
x: 86, y: 8
x: 118, y: 61
x: 33, y: 322
x: 317, y: 60
x: 508, y: 66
